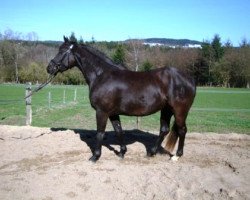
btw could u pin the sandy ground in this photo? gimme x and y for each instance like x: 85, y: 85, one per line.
x: 46, y: 164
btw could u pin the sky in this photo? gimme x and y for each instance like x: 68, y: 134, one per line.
x: 117, y: 20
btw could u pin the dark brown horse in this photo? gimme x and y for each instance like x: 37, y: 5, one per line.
x: 114, y: 91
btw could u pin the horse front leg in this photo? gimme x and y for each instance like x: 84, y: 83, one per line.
x: 101, y: 120
x: 115, y: 120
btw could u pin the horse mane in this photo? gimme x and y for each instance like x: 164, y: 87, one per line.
x: 102, y: 56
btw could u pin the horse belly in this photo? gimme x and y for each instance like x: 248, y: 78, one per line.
x: 133, y: 98
x: 141, y: 104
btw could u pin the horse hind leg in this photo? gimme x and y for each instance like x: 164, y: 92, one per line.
x: 115, y: 120
x: 179, y: 130
x: 166, y: 115
x: 181, y: 134
x: 171, y: 139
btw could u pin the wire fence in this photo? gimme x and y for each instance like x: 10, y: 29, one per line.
x: 13, y: 102
x: 10, y: 101
x: 60, y: 105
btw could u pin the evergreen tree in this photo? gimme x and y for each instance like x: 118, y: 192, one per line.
x: 119, y: 55
x: 146, y: 66
x: 81, y: 41
x: 218, y: 50
x: 207, y: 60
x: 92, y: 40
x: 72, y: 37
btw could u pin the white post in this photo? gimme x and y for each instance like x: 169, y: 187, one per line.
x: 75, y: 94
x: 64, y: 94
x: 49, y: 99
x: 28, y: 104
x: 138, y: 120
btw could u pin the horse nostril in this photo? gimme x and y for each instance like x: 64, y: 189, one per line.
x: 49, y: 69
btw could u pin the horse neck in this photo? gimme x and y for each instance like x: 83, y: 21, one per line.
x: 99, y: 59
x: 90, y: 65
x: 94, y: 63
x: 88, y: 73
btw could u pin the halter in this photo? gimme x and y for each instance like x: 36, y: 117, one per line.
x: 66, y: 53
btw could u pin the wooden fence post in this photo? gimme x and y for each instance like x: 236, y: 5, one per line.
x: 49, y: 100
x: 138, y: 120
x: 75, y: 94
x: 28, y: 104
x: 64, y: 96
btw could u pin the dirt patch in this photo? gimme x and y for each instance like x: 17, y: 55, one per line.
x: 44, y: 163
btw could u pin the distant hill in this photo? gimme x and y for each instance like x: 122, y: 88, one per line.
x: 170, y: 42
x: 167, y: 42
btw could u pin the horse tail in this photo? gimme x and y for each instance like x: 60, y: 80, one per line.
x: 171, y: 140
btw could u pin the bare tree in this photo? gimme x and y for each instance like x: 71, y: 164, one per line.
x: 32, y: 36
x: 136, y: 47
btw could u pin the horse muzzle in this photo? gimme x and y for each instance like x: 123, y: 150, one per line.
x: 52, y: 68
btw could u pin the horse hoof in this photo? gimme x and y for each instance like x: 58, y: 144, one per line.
x: 94, y: 159
x: 151, y: 154
x: 121, y: 155
x: 175, y: 158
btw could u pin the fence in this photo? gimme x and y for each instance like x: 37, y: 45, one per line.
x: 15, y: 110
x: 47, y: 103
x: 69, y: 106
x: 50, y: 98
x: 28, y: 104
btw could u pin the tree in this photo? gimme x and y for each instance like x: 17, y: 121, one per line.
x: 146, y: 66
x: 93, y: 40
x: 244, y: 43
x: 119, y: 55
x: 228, y: 44
x: 22, y: 56
x: 136, y: 47
x: 72, y: 37
x: 32, y: 36
x: 218, y: 50
x: 212, y: 53
x: 10, y: 49
x: 8, y: 55
x: 222, y: 72
x: 33, y: 72
x: 244, y: 55
x: 81, y: 41
x: 207, y: 60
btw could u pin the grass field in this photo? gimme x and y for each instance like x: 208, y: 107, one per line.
x: 215, y: 109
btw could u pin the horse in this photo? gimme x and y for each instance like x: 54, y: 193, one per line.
x: 114, y: 90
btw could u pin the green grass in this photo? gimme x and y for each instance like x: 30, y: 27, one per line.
x: 214, y: 110
x: 221, y: 110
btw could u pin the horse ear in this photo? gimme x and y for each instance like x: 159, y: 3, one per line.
x: 65, y: 39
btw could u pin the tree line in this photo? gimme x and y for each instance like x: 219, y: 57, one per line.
x: 24, y: 59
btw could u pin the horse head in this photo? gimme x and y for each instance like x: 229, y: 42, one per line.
x: 64, y: 59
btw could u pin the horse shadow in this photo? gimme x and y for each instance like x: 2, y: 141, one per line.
x: 130, y: 137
